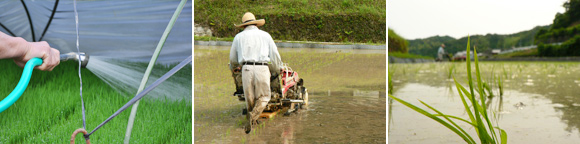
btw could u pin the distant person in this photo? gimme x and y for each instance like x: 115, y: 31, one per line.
x: 440, y: 53
x: 254, y: 49
x: 21, y: 51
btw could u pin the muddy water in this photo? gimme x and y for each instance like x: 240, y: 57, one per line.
x: 540, y: 104
x: 342, y: 111
x: 329, y: 119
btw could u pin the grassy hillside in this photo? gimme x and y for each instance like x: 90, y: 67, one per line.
x: 303, y: 20
x: 50, y: 110
x: 397, y: 43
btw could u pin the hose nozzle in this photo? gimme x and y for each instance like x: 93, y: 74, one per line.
x: 84, y: 58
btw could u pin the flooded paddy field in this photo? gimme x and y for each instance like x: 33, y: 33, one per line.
x: 540, y: 101
x: 346, y: 95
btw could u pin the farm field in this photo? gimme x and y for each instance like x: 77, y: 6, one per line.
x: 347, y: 96
x: 538, y: 101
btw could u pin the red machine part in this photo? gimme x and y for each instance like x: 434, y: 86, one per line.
x: 289, y: 79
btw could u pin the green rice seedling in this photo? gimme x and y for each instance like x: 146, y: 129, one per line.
x: 500, y: 86
x: 50, y: 110
x: 450, y: 71
x: 243, y: 140
x: 488, y: 88
x: 478, y: 116
x: 390, y: 83
x: 505, y: 74
x: 214, y: 85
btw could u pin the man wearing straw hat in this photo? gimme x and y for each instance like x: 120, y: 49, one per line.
x: 254, y: 49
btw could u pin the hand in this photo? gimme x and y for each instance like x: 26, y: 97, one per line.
x: 50, y: 56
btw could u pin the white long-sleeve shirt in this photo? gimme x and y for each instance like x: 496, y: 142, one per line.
x: 254, y: 45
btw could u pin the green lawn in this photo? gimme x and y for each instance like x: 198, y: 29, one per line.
x: 50, y: 110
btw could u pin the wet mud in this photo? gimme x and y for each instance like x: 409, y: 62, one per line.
x: 346, y: 105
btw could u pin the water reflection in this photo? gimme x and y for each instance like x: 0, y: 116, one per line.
x: 390, y: 113
x: 547, y: 91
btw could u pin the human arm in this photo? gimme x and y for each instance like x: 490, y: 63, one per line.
x: 275, y: 58
x: 21, y: 51
x: 234, y: 64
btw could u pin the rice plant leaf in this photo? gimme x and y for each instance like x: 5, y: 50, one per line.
x: 421, y: 111
x: 457, y: 85
x: 503, y: 136
x: 500, y: 86
x: 478, y: 77
x: 468, y: 62
x: 447, y: 118
x: 476, y: 106
x: 483, y: 135
x: 482, y: 97
x: 458, y: 118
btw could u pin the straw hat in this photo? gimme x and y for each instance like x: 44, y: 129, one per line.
x: 249, y: 19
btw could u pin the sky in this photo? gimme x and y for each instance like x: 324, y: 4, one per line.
x: 414, y: 19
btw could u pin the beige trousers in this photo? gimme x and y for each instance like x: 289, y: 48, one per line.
x: 256, y: 81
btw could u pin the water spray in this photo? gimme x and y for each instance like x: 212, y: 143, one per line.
x: 84, y: 58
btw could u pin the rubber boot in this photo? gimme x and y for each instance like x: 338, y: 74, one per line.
x: 248, y: 127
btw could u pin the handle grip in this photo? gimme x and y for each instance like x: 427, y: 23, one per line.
x: 22, y: 84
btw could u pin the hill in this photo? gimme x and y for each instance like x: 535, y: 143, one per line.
x: 565, y: 31
x: 484, y: 43
x: 322, y: 20
x: 397, y: 43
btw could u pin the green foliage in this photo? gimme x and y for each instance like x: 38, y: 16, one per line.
x: 570, y: 17
x: 478, y: 116
x: 346, y: 3
x: 565, y: 30
x: 408, y: 55
x: 50, y: 110
x: 500, y: 85
x: 207, y: 38
x: 429, y: 46
x: 524, y: 53
x: 397, y: 43
x: 557, y: 35
x: 450, y: 71
x: 299, y: 20
x: 570, y: 47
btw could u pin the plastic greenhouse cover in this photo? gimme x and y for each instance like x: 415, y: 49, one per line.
x: 124, y: 30
x: 114, y: 34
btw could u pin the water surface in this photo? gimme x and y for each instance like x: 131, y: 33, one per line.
x: 347, y: 99
x: 549, y: 92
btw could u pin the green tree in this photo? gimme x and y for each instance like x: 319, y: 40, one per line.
x: 565, y: 30
x: 397, y: 43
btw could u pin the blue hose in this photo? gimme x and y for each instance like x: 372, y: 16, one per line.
x: 17, y: 92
